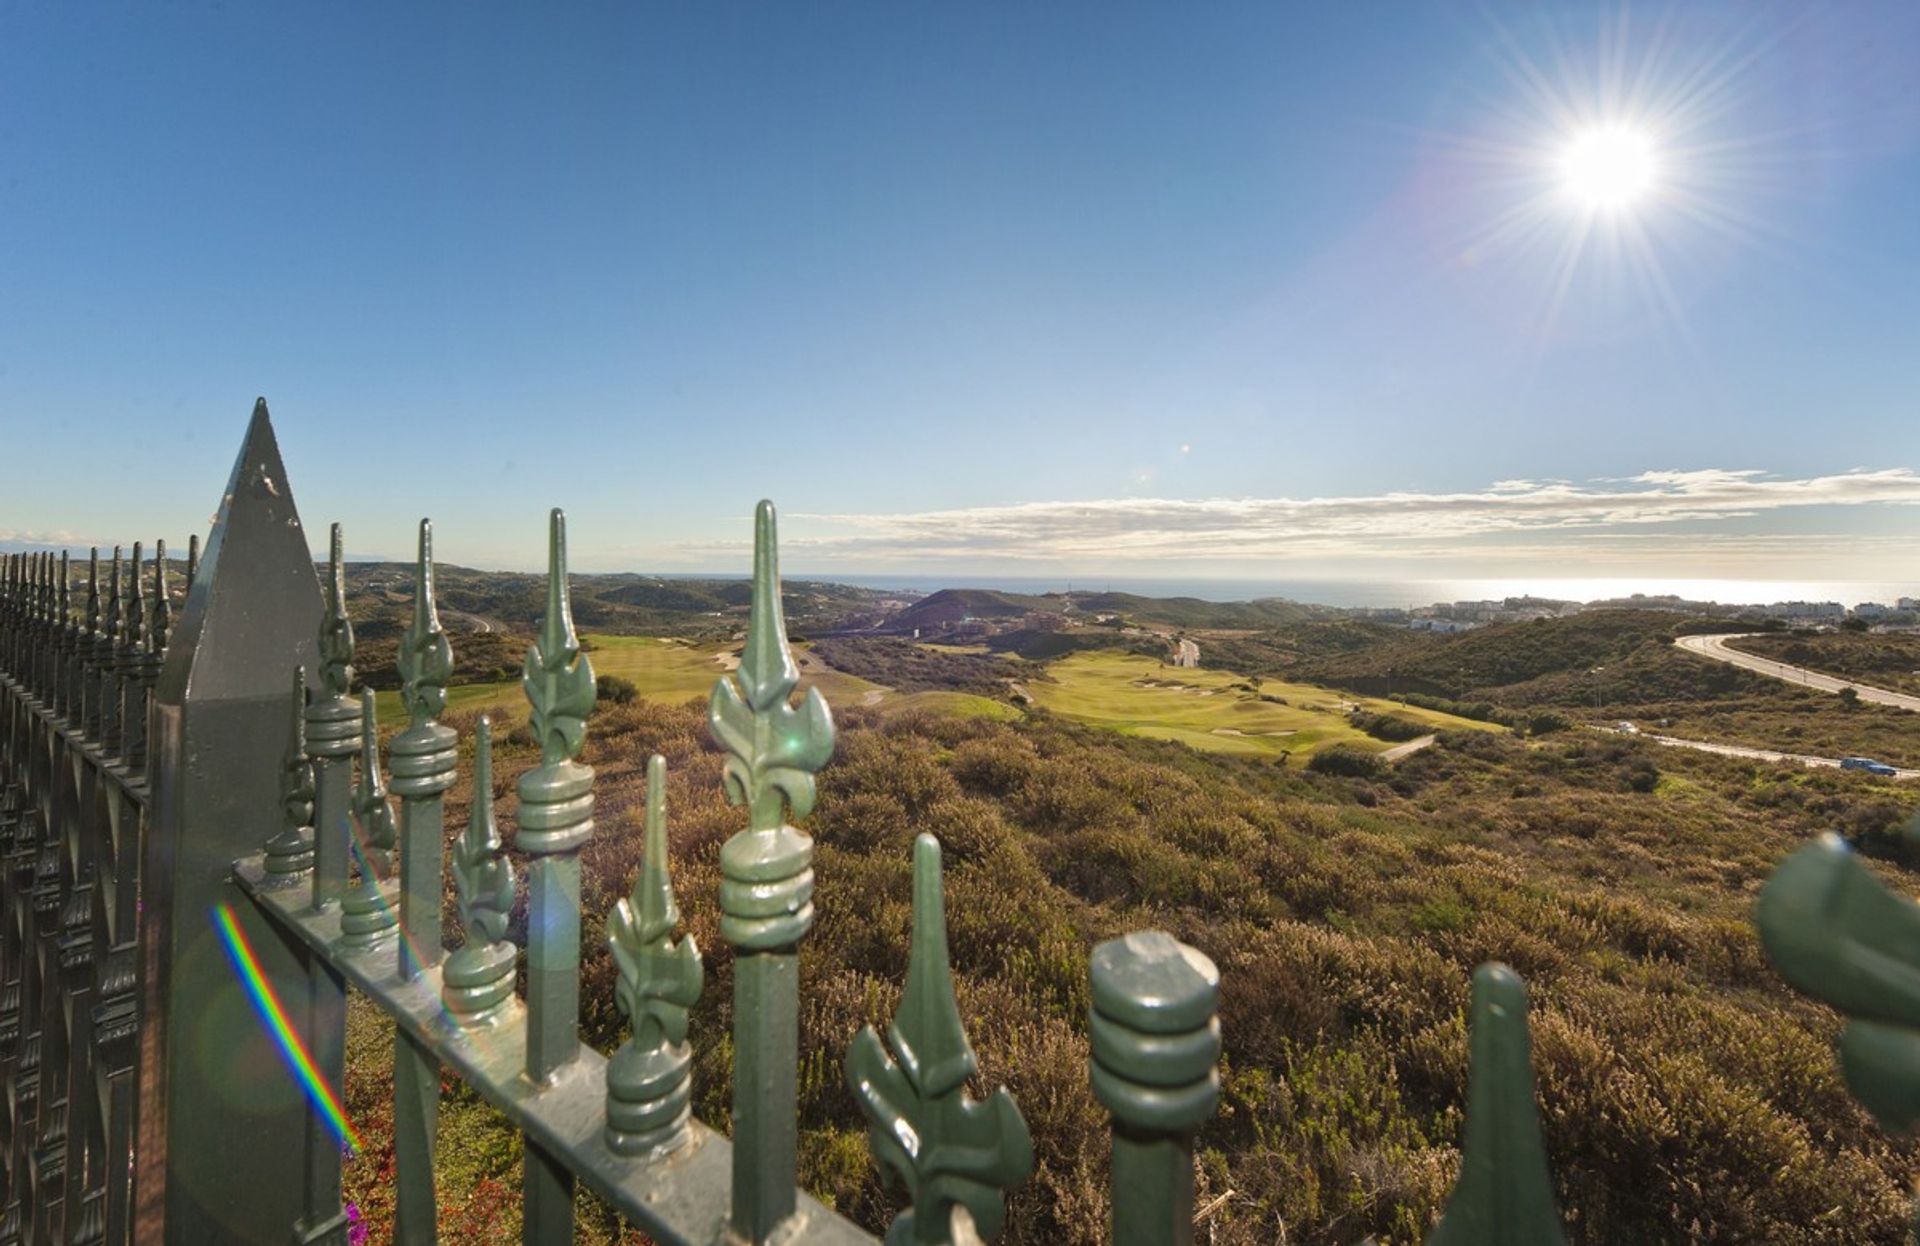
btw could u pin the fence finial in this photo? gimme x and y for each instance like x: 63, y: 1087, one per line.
x: 336, y: 630
x: 1505, y: 1191
x: 193, y: 558
x: 113, y: 600
x: 558, y: 678
x: 162, y: 621
x: 426, y: 658
x: 649, y: 1089
x: 1837, y: 933
x: 1154, y: 1040
x: 479, y: 975
x: 135, y: 638
x: 93, y: 591
x: 365, y: 913
x: 946, y: 1147
x: 290, y: 853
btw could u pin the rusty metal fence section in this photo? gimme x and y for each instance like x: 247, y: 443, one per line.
x: 200, y: 854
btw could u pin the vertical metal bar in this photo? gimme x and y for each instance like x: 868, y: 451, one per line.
x: 424, y: 767
x: 1154, y: 1038
x: 478, y: 978
x: 133, y: 667
x: 556, y: 820
x: 766, y: 893
x: 332, y: 737
x: 107, y: 655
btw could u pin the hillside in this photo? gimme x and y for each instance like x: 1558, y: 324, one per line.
x: 1885, y: 660
x: 1686, y: 1094
x: 1599, y: 666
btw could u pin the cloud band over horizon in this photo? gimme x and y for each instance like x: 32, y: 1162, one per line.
x: 1401, y: 523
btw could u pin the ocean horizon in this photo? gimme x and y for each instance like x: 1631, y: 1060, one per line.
x: 1362, y: 594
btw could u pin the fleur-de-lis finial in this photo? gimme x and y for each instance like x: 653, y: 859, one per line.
x: 93, y: 591
x: 296, y: 770
x: 558, y: 678
x: 772, y: 747
x: 370, y: 804
x: 136, y: 624
x: 113, y: 599
x: 1836, y: 932
x: 946, y: 1147
x: 66, y: 594
x: 193, y: 558
x: 366, y: 916
x: 648, y: 1086
x: 479, y: 975
x: 336, y: 630
x: 290, y: 852
x: 426, y: 659
x: 162, y: 619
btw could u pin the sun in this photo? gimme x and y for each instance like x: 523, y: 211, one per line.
x: 1609, y: 168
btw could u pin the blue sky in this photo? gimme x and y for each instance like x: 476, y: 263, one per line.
x: 1224, y: 290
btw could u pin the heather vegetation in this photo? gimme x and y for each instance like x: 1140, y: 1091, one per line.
x: 1885, y: 660
x: 908, y: 667
x: 1598, y: 667
x: 1686, y: 1094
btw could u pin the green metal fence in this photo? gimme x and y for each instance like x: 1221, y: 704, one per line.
x: 200, y: 854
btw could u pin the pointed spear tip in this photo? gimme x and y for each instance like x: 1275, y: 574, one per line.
x: 260, y: 408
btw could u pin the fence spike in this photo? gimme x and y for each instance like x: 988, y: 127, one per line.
x: 1154, y: 1040
x: 290, y: 853
x: 332, y: 720
x: 366, y: 916
x: 946, y: 1147
x: 158, y: 630
x: 93, y: 591
x: 478, y: 976
x: 193, y: 558
x: 426, y: 762
x: 556, y: 820
x: 1504, y: 1196
x: 426, y: 657
x: 136, y: 632
x: 766, y: 888
x: 336, y: 630
x: 649, y: 1087
x: 108, y: 657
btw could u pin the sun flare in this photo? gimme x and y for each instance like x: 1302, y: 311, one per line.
x: 1609, y: 168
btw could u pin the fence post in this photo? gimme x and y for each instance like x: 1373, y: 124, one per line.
x: 1155, y: 1039
x: 766, y: 890
x: 556, y: 821
x: 219, y: 1109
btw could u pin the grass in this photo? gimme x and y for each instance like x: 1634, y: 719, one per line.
x: 1214, y: 711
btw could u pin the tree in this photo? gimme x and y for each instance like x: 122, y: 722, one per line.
x: 1850, y: 697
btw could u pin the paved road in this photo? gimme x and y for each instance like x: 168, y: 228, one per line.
x: 1715, y: 647
x: 1758, y: 754
x: 1188, y: 655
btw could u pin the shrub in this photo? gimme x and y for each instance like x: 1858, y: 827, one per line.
x: 614, y: 690
x: 1346, y: 761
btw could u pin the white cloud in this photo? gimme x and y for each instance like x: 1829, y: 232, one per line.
x: 1130, y: 530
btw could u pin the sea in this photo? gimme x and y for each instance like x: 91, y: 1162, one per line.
x: 1359, y: 593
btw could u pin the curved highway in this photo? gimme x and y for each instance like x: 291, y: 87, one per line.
x: 1715, y: 647
x: 1758, y: 754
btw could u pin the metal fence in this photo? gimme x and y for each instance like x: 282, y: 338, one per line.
x: 199, y: 855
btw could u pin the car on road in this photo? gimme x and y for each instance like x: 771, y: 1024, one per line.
x: 1867, y: 764
x: 1626, y: 728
